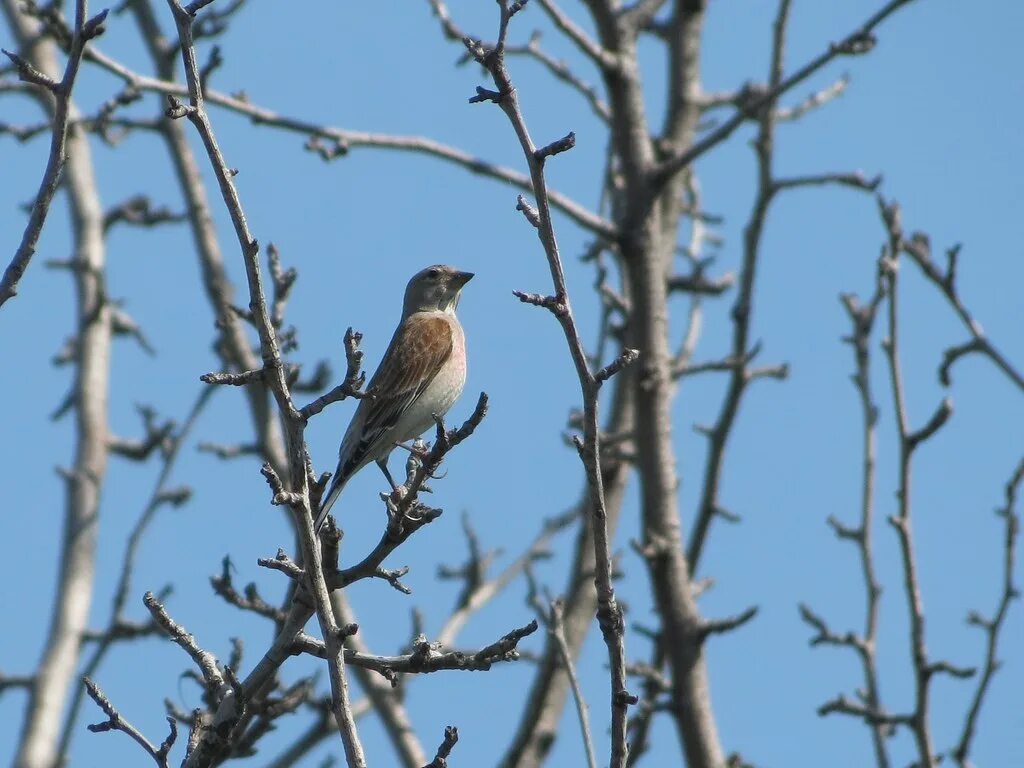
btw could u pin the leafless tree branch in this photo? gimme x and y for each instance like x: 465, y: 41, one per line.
x: 909, y: 441
x: 993, y: 626
x: 162, y: 495
x: 346, y: 140
x: 862, y: 318
x: 451, y: 737
x: 88, y: 396
x: 609, y: 612
x: 858, y: 42
x: 84, y: 30
x: 275, y: 377
x: 561, y: 71
x: 116, y: 722
x: 918, y: 247
x: 426, y: 657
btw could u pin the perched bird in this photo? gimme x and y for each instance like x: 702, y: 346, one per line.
x: 422, y: 374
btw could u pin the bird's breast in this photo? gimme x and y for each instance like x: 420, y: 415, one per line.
x: 442, y: 391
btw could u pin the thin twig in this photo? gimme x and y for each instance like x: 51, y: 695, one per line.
x: 160, y: 496
x: 84, y: 30
x: 901, y: 521
x: 992, y: 627
x: 741, y: 350
x: 426, y: 657
x: 346, y: 140
x: 116, y: 722
x: 860, y: 41
x: 609, y: 611
x: 919, y: 250
x: 274, y: 375
x: 88, y: 396
x: 556, y: 627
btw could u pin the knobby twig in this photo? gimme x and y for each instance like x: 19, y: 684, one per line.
x: 451, y: 737
x: 858, y: 42
x: 341, y: 141
x: 561, y: 71
x: 116, y: 722
x: 556, y: 627
x: 918, y: 248
x: 295, y: 490
x: 425, y: 657
x: 275, y: 377
x: 351, y: 386
x: 993, y: 626
x: 56, y: 673
x: 742, y: 351
x: 84, y: 30
x: 862, y: 319
x: 909, y: 441
x: 609, y: 611
x: 540, y: 721
x: 161, y: 496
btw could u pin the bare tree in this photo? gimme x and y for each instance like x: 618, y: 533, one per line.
x: 651, y: 254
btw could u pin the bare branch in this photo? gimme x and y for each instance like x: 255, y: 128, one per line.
x: 29, y: 74
x: 626, y: 357
x: 556, y: 627
x: 57, y: 671
x: 603, y: 58
x: 901, y: 522
x: 562, y: 72
x: 742, y: 350
x: 919, y: 250
x: 61, y: 91
x: 11, y: 682
x: 233, y: 379
x: 812, y: 102
x: 844, y: 706
x: 697, y: 283
x: 115, y: 722
x: 118, y: 627
x: 451, y: 737
x: 347, y: 140
x: 479, y: 592
x: 425, y: 657
x: 609, y: 612
x: 251, y: 600
x: 139, y: 211
x: 855, y: 180
x: 826, y: 636
x: 863, y: 319
x: 228, y: 451
x: 992, y: 627
x: 205, y: 660
x: 858, y: 42
x: 729, y: 624
x: 935, y: 423
x: 354, y: 378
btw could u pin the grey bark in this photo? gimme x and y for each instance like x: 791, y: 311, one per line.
x: 84, y: 480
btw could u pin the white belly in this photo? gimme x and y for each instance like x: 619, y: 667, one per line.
x: 440, y: 394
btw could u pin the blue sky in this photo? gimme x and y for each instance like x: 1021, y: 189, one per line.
x: 935, y: 109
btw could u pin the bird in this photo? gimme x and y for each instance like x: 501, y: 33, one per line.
x: 420, y: 376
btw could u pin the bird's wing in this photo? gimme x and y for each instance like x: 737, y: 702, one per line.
x: 420, y: 348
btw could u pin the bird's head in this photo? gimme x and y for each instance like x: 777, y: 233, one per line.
x: 435, y: 288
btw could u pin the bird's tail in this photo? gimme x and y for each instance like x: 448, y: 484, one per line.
x: 328, y: 500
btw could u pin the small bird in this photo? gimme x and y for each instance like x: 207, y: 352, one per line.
x: 421, y: 375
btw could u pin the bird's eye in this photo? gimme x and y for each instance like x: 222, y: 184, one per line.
x: 434, y: 272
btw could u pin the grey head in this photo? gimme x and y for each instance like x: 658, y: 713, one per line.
x: 435, y: 288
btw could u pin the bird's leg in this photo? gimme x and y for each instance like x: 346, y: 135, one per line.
x: 417, y: 452
x: 383, y: 464
x: 413, y: 448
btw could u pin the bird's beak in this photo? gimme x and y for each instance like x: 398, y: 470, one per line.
x: 461, y: 278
